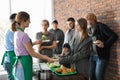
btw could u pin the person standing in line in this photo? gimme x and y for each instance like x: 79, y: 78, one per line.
x: 79, y: 57
x: 70, y: 32
x: 103, y: 38
x: 23, y: 48
x: 48, y: 40
x: 59, y: 37
x: 9, y: 55
x: 66, y: 51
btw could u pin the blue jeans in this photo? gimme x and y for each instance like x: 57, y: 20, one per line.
x: 97, y: 68
x: 9, y: 72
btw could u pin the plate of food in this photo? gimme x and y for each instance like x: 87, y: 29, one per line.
x: 53, y: 65
x: 45, y: 40
x: 63, y: 71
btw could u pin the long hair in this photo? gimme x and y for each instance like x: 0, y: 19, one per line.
x: 21, y: 16
x: 83, y: 24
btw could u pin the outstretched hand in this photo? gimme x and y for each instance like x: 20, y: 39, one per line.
x: 37, y: 42
x: 52, y: 60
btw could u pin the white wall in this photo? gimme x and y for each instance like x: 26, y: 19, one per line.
x: 38, y: 10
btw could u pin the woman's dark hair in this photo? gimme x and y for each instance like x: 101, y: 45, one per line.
x: 21, y: 16
x: 83, y: 24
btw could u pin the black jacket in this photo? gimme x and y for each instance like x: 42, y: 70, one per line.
x: 107, y: 36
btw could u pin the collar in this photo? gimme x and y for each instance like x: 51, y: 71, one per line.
x: 19, y: 28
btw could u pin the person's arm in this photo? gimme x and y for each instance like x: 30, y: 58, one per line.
x: 37, y: 55
x: 27, y: 44
x: 36, y: 42
x: 81, y: 54
x: 54, y: 45
x: 112, y: 36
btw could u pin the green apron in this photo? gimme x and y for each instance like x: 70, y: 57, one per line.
x: 26, y: 62
x: 12, y: 60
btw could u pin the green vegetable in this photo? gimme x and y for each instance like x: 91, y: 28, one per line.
x: 44, y: 37
x: 53, y: 65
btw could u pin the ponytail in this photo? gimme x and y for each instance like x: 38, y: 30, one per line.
x: 21, y: 16
x: 13, y: 26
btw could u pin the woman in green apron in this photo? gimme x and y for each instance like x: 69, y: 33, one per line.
x: 9, y: 55
x: 23, y: 49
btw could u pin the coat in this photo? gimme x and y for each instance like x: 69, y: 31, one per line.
x: 79, y: 57
x: 107, y: 36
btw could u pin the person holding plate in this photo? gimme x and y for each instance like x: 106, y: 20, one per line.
x: 48, y: 40
x: 103, y: 38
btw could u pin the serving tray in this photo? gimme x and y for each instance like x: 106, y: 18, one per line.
x: 67, y: 74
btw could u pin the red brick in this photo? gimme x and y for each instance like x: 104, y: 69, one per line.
x: 107, y: 11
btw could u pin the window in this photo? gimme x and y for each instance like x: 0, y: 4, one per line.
x: 4, y: 15
x: 38, y: 10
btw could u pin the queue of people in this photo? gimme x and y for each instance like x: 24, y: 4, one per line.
x: 85, y: 46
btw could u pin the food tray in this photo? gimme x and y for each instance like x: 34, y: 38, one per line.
x: 67, y: 74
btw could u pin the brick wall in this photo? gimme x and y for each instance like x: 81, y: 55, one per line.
x: 107, y: 11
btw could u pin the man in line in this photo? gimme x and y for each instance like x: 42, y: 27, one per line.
x: 70, y: 31
x: 103, y: 38
x: 59, y: 37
